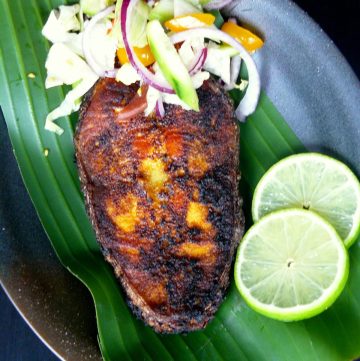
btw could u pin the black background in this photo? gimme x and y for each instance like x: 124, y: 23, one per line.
x: 340, y: 20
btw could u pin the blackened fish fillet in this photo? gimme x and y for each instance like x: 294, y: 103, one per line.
x: 162, y: 195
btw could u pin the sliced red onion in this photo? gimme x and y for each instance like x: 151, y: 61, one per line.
x: 232, y: 20
x: 159, y: 108
x: 217, y: 4
x: 149, y: 78
x: 86, y: 41
x: 198, y: 61
x: 248, y: 104
x: 136, y: 106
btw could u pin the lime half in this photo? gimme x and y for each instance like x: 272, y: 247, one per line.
x: 291, y: 265
x: 315, y: 182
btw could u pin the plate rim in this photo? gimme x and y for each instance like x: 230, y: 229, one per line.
x: 341, y: 59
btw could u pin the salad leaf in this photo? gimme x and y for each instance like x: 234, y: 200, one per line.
x: 103, y: 44
x: 162, y: 11
x: 70, y: 104
x: 138, y: 24
x: 61, y: 23
x: 218, y: 62
x: 64, y: 67
x: 66, y: 64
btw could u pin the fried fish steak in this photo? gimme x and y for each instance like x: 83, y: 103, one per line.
x: 162, y: 195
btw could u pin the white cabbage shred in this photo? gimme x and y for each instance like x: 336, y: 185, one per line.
x: 62, y: 23
x: 65, y: 67
x: 65, y: 62
x: 127, y: 74
x: 103, y: 44
x: 218, y: 62
x: 70, y: 104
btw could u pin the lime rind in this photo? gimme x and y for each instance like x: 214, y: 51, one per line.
x: 299, y: 312
x: 347, y: 225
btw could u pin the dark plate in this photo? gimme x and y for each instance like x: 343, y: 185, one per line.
x: 310, y: 83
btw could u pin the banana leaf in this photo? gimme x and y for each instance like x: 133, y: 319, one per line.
x: 47, y: 166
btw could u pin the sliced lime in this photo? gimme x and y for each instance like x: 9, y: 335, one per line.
x: 291, y: 265
x: 315, y: 182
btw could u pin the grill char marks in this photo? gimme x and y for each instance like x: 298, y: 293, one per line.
x: 162, y: 195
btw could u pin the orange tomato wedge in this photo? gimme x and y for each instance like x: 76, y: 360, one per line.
x: 144, y: 54
x: 250, y: 41
x: 189, y: 21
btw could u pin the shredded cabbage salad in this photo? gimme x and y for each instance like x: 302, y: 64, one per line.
x: 109, y: 38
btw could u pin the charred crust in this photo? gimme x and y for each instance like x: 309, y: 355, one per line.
x: 190, y: 289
